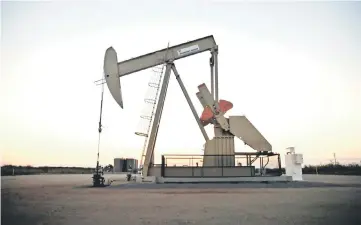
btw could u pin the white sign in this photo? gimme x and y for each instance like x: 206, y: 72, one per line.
x: 188, y: 50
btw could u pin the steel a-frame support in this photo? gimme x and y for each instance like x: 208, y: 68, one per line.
x: 149, y: 156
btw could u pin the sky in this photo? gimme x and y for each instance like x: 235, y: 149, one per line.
x: 292, y: 68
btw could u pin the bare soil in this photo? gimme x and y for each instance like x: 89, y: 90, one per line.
x: 67, y: 200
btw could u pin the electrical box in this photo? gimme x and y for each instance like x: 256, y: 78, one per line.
x: 298, y: 158
x: 294, y: 165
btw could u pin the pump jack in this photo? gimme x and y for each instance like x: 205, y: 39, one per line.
x: 214, y: 109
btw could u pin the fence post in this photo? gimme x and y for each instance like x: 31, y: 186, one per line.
x: 162, y: 167
x: 279, y: 165
x: 222, y: 164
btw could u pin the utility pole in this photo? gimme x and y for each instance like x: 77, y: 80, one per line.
x: 334, y: 158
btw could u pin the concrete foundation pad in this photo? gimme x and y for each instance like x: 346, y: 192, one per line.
x: 150, y: 179
x: 223, y: 179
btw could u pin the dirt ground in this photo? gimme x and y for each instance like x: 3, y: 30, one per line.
x: 65, y: 200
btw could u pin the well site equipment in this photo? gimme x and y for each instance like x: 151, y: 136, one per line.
x: 219, y: 158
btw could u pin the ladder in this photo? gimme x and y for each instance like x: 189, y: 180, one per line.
x: 151, y: 102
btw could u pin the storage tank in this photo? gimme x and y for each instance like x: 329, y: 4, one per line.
x: 132, y: 163
x: 120, y: 165
x: 294, y: 163
x: 124, y: 165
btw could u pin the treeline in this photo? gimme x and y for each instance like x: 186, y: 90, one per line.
x: 336, y: 169
x: 7, y: 170
x: 331, y: 169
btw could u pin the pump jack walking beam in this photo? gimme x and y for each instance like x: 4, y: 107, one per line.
x: 166, y: 55
x: 114, y: 69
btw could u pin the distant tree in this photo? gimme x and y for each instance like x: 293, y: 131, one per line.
x: 331, y: 168
x: 108, y: 168
x: 111, y: 167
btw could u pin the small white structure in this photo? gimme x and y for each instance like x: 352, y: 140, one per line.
x: 294, y: 164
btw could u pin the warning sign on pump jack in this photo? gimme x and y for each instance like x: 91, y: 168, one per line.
x: 188, y: 50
